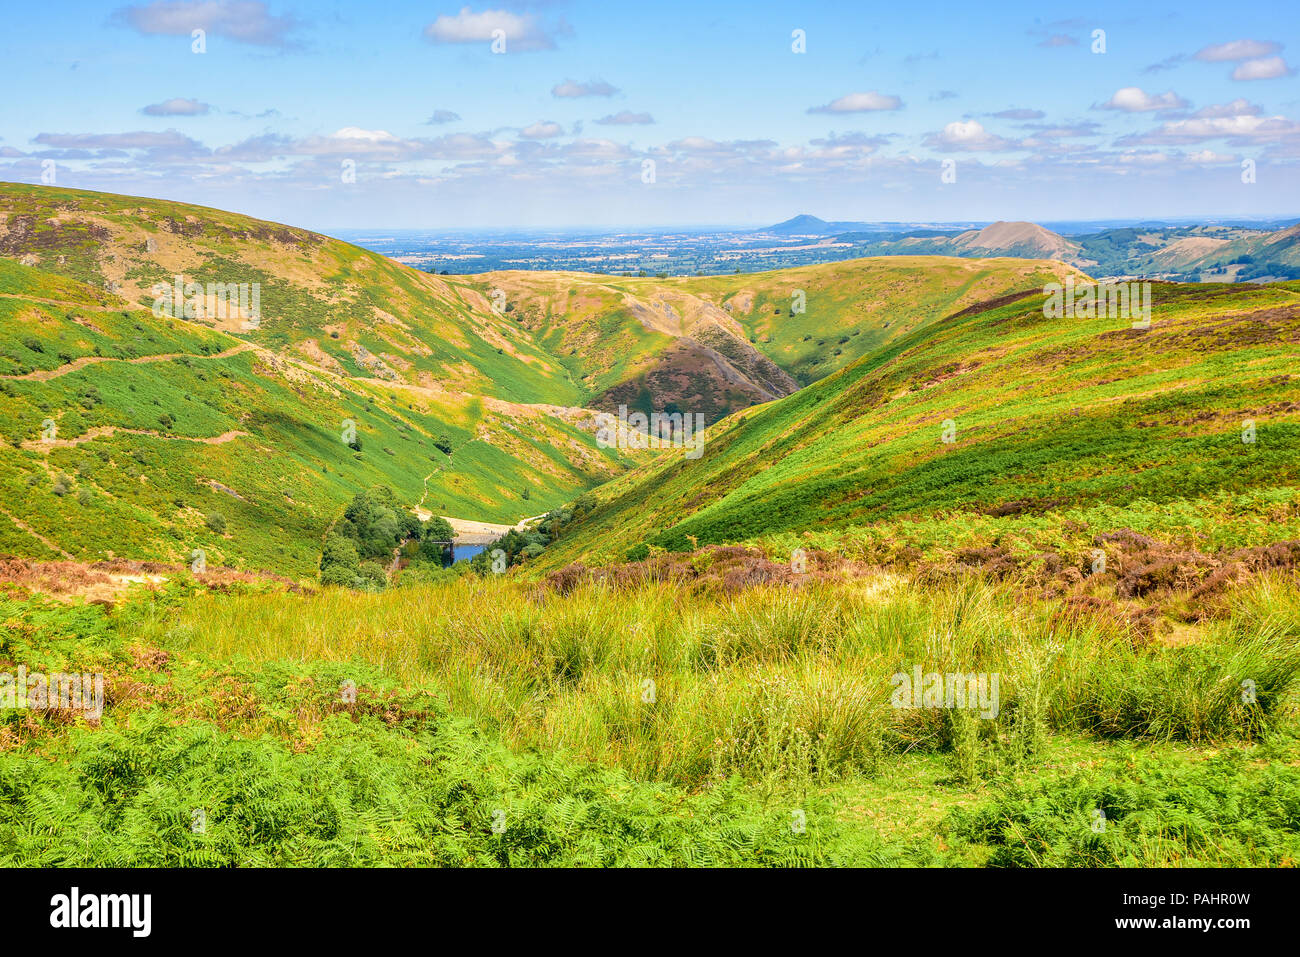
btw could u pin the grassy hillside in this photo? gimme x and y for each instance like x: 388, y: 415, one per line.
x: 1060, y: 429
x: 130, y: 434
x: 494, y: 726
x: 144, y: 425
x: 809, y: 321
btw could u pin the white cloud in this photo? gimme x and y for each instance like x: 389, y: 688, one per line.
x: 1020, y: 114
x: 177, y: 106
x: 523, y: 31
x: 591, y: 88
x: 542, y: 130
x: 1236, y: 50
x: 626, y: 118
x: 116, y: 141
x: 1147, y: 158
x: 1262, y: 68
x: 245, y: 21
x: 1238, y: 107
x: 1132, y: 99
x: 1241, y: 128
x: 968, y: 136
x: 860, y: 103
x: 1210, y: 157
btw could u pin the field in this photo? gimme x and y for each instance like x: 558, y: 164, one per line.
x: 495, y: 724
x: 954, y: 582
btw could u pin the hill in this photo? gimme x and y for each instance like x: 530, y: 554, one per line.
x: 131, y: 432
x: 1017, y: 239
x: 473, y: 397
x: 1001, y: 428
x: 806, y: 225
x: 1207, y: 253
x: 717, y: 344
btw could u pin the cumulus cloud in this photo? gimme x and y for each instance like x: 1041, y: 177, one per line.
x: 569, y: 89
x: 1238, y: 107
x: 1237, y: 50
x: 442, y: 116
x: 542, y: 130
x: 523, y: 31
x: 141, y: 140
x: 1238, y: 128
x: 244, y: 21
x: 859, y: 103
x: 626, y: 118
x: 1144, y: 157
x: 1132, y: 99
x: 1261, y: 68
x: 177, y: 106
x: 967, y: 136
x: 1168, y: 63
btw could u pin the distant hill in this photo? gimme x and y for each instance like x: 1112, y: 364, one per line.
x: 1017, y: 239
x: 1216, y: 252
x: 998, y: 433
x: 805, y: 225
x: 471, y: 396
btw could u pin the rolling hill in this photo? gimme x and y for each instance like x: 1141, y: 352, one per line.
x: 1203, y: 253
x: 131, y: 433
x: 1001, y: 428
x: 717, y: 344
x: 473, y: 397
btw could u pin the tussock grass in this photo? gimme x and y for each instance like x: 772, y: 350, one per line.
x: 775, y: 684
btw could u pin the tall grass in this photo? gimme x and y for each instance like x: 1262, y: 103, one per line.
x: 773, y: 683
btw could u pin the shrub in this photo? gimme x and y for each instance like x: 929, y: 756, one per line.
x: 372, y: 576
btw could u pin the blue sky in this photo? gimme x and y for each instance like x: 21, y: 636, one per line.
x: 558, y: 129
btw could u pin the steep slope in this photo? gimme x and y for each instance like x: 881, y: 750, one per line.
x: 132, y: 432
x: 1017, y: 239
x: 999, y: 426
x: 330, y: 303
x: 1216, y: 252
x: 717, y: 344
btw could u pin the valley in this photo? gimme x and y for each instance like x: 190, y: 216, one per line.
x: 911, y: 463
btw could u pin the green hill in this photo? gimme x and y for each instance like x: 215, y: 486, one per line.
x: 168, y: 420
x: 1001, y: 428
x: 131, y: 433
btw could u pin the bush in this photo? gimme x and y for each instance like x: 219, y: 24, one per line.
x: 372, y: 576
x: 340, y: 552
x: 339, y: 575
x: 217, y: 522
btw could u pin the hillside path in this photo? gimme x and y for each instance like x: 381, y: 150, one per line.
x: 45, y: 375
x: 38, y: 445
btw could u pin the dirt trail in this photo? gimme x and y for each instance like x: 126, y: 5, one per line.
x: 41, y: 445
x: 44, y: 375
x: 64, y: 304
x: 36, y: 535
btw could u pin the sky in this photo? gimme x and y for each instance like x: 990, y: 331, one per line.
x: 392, y: 114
